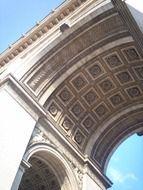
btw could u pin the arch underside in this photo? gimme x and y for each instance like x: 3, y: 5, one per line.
x: 115, y: 133
x: 49, y: 170
x: 88, y: 78
x: 39, y: 177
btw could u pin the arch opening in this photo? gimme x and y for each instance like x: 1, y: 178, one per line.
x: 113, y: 133
x: 49, y: 170
x: 124, y: 166
x: 39, y: 177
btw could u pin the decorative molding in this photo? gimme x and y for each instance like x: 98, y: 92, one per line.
x: 72, y: 49
x: 120, y: 126
x: 39, y: 137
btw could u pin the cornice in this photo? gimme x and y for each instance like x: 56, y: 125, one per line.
x: 53, y: 19
x: 41, y: 28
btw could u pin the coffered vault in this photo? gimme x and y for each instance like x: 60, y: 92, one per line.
x: 92, y: 74
x: 87, y: 77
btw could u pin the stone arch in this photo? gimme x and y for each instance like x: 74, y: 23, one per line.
x: 56, y: 163
x: 91, y: 72
x: 39, y: 176
x: 112, y: 133
x: 87, y: 82
x: 89, y: 79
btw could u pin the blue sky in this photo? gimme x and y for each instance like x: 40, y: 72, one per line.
x: 17, y: 17
x: 125, y: 168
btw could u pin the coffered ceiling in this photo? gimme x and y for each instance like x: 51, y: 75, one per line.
x: 89, y: 77
x: 97, y: 91
x: 39, y: 177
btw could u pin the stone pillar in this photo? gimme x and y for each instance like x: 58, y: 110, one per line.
x: 16, y: 127
x: 23, y: 167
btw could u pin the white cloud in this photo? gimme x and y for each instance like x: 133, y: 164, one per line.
x: 118, y: 176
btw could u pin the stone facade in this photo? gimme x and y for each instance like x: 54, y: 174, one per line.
x: 76, y: 80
